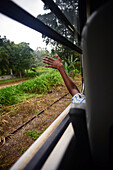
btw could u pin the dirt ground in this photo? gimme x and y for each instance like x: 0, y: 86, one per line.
x: 11, y: 83
x: 14, y: 116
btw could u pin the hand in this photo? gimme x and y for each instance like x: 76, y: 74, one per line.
x: 53, y: 63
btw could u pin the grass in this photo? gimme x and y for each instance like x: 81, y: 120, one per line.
x: 39, y: 85
x: 40, y: 71
x: 34, y: 134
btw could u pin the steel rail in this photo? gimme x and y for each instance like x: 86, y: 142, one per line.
x: 15, y: 12
x: 20, y: 127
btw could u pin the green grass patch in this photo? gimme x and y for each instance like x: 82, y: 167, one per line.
x: 39, y: 85
x: 39, y: 71
x: 34, y: 134
x: 43, y: 69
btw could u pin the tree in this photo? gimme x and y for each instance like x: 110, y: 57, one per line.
x: 70, y: 58
x: 69, y: 8
x: 24, y: 58
x: 15, y: 58
x: 4, y: 62
x: 39, y: 53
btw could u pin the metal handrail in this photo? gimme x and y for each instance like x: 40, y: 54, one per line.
x: 35, y: 147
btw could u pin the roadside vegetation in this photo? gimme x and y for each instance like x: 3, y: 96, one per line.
x: 42, y: 87
x: 39, y: 85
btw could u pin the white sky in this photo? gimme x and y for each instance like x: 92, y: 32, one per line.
x: 17, y: 32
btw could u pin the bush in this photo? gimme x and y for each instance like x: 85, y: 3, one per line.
x: 7, y: 95
x: 39, y: 85
x: 32, y: 74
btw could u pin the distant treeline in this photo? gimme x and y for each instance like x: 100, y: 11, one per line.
x: 16, y: 58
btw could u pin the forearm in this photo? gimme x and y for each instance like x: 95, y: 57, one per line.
x: 68, y: 82
x: 57, y: 64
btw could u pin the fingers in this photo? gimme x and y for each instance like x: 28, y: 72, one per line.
x: 50, y: 67
x: 48, y: 58
x: 57, y: 56
x: 47, y: 62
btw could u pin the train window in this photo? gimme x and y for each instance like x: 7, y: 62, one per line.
x: 35, y: 8
x: 24, y: 17
x: 70, y: 10
x: 62, y: 18
x: 64, y: 26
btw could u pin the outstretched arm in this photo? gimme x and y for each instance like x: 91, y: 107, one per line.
x: 57, y: 64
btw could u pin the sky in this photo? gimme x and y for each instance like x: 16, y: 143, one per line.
x: 17, y: 32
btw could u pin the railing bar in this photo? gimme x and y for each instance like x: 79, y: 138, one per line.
x: 33, y: 149
x: 55, y: 9
x: 15, y: 12
x: 40, y: 157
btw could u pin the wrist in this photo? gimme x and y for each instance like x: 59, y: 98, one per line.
x: 60, y: 67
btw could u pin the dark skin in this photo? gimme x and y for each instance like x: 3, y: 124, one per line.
x: 57, y: 64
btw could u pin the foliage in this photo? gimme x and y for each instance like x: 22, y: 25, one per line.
x: 30, y: 73
x: 7, y: 95
x: 39, y: 53
x: 39, y: 85
x: 70, y: 10
x: 23, y: 58
x: 4, y: 62
x: 34, y: 134
x: 15, y: 58
x: 42, y: 70
x: 71, y: 59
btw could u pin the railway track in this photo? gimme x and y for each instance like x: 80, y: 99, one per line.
x: 3, y: 139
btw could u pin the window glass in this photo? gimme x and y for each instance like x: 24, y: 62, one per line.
x: 70, y: 9
x: 38, y: 9
x: 34, y: 7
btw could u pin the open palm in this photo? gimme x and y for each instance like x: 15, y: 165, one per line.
x: 53, y: 63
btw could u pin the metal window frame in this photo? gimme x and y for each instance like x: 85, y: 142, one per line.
x: 15, y: 12
x: 51, y: 135
x: 55, y: 9
x: 41, y: 156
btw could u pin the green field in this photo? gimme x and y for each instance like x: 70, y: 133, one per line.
x: 39, y: 71
x: 39, y: 85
